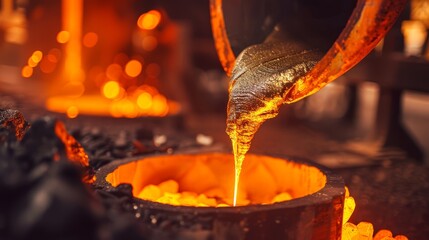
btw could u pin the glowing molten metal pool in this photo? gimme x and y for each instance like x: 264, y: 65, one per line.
x: 278, y: 197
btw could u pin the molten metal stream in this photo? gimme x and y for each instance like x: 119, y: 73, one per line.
x: 267, y: 75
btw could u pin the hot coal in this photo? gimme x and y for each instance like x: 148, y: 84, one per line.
x: 42, y: 192
x: 12, y: 124
x: 43, y: 196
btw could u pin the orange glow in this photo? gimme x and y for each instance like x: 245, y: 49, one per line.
x: 349, y: 206
x: 133, y: 68
x: 111, y: 89
x: 27, y: 71
x: 205, y: 180
x: 120, y: 94
x: 358, y: 38
x: 72, y: 17
x: 364, y: 230
x: 223, y: 47
x: 36, y: 56
x: 90, y: 39
x: 144, y: 101
x: 149, y: 20
x: 128, y: 108
x: 31, y: 63
x: 72, y: 112
x: 74, y: 150
x: 97, y: 105
x: 114, y: 71
x: 63, y: 37
x: 73, y: 89
x: 149, y: 43
x: 159, y: 105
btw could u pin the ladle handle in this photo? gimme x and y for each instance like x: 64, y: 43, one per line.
x: 369, y: 22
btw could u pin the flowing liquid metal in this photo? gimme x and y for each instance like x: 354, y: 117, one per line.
x: 261, y: 79
x: 239, y: 151
x: 241, y: 133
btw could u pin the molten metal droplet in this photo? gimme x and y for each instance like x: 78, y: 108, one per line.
x: 150, y: 192
x: 260, y: 80
x: 382, y: 234
x: 349, y: 207
x: 350, y: 231
x: 366, y: 230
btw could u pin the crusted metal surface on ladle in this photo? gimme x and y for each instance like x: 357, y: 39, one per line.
x: 261, y: 77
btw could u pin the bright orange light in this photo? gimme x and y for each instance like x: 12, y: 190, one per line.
x: 37, y: 56
x: 72, y: 112
x: 144, y: 101
x: 128, y: 108
x: 159, y: 105
x: 63, y: 37
x: 133, y: 68
x: 90, y: 39
x: 149, y: 20
x: 111, y: 89
x: 73, y: 89
x: 27, y: 71
x: 31, y: 63
x: 149, y: 43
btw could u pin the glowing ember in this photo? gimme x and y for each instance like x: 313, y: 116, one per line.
x: 72, y: 17
x: 133, y: 68
x: 72, y: 112
x: 129, y: 107
x: 74, y: 150
x: 117, y: 90
x: 206, y: 180
x: 63, y: 37
x: 168, y: 193
x: 149, y: 20
x: 35, y: 58
x: 111, y: 89
x: 27, y: 71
